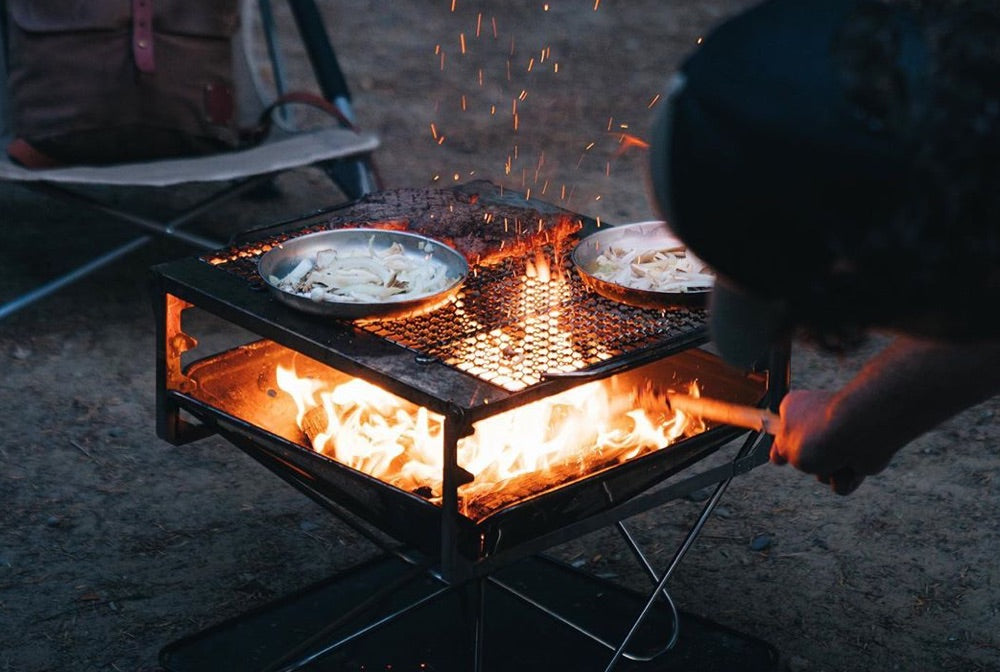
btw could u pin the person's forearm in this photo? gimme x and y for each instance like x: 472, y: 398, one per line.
x: 909, y: 388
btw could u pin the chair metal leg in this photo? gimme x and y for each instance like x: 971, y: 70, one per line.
x: 169, y: 229
x: 354, y: 177
x: 54, y: 286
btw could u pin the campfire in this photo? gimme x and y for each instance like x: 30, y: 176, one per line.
x: 513, y: 415
x: 525, y: 412
x: 511, y: 456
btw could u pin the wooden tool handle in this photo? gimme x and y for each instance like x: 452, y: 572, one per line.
x: 844, y: 481
x: 748, y: 417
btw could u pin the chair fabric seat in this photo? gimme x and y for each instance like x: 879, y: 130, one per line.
x: 291, y: 151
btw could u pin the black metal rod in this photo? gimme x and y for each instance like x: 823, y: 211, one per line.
x: 273, y: 49
x: 532, y: 602
x: 78, y: 273
x: 675, y: 630
x: 480, y: 634
x: 453, y: 429
x: 329, y: 76
x: 304, y: 652
x: 298, y: 665
x: 689, y: 540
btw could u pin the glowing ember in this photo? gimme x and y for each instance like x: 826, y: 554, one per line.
x: 484, y: 72
x: 516, y: 355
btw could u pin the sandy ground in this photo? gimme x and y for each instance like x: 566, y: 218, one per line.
x: 114, y: 543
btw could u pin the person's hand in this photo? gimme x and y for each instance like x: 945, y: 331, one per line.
x: 810, y: 439
x: 905, y: 390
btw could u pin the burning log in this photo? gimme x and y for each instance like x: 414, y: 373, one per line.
x: 479, y: 498
x: 476, y: 501
x: 314, y: 423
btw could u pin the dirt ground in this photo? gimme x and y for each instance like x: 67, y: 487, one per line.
x: 114, y: 543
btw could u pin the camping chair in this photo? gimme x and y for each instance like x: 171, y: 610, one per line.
x: 342, y: 153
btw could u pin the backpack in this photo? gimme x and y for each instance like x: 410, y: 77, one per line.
x: 109, y: 81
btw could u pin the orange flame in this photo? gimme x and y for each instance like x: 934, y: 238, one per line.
x: 567, y: 435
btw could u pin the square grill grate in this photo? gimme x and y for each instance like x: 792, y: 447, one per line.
x: 509, y: 329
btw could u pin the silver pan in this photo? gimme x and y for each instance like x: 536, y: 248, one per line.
x: 279, y: 262
x: 640, y: 236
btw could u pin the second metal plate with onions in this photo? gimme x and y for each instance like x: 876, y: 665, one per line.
x: 636, y: 236
x: 280, y: 261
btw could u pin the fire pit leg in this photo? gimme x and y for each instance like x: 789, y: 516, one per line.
x: 641, y: 557
x: 474, y: 607
x: 752, y: 449
x: 661, y: 584
x: 358, y: 634
x: 306, y: 652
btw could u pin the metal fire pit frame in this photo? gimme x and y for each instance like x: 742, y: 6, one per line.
x: 460, y: 398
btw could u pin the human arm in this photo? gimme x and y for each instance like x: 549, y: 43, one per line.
x: 904, y: 391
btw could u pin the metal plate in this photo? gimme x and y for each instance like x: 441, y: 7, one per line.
x: 279, y: 262
x: 638, y: 235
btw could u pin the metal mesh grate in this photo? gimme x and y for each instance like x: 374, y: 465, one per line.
x: 510, y: 330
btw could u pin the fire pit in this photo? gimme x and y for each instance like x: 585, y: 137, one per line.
x: 526, y: 412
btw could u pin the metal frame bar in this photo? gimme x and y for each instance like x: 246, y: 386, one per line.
x: 169, y: 229
x: 385, y: 620
x: 273, y: 51
x: 679, y: 554
x: 648, y: 566
x: 355, y: 176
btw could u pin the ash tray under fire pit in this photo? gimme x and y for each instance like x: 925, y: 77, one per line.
x: 630, y: 263
x: 363, y: 273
